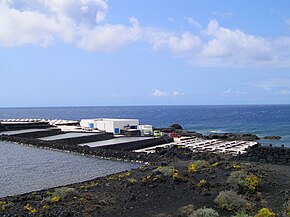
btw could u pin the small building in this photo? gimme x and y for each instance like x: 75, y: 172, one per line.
x: 146, y: 130
x: 110, y: 125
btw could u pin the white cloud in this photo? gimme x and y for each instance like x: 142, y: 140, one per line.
x: 109, y: 37
x: 222, y: 15
x: 161, y: 93
x: 193, y: 22
x: 177, y: 93
x: 233, y: 48
x: 83, y: 23
x: 41, y: 22
x: 284, y: 92
x: 218, y: 46
x: 230, y: 92
x: 177, y: 44
x: 273, y: 84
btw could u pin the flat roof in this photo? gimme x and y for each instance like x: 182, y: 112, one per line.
x: 110, y: 119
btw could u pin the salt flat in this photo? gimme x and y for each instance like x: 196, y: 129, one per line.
x: 116, y: 141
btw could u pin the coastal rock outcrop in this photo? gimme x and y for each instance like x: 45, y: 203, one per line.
x: 273, y: 155
x: 272, y: 137
x: 233, y: 136
x: 2, y: 128
x: 176, y: 126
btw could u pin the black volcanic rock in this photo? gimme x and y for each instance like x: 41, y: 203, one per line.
x: 233, y: 136
x: 176, y: 126
x: 2, y: 128
x: 272, y: 137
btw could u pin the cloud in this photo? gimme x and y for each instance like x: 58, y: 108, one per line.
x: 176, y: 43
x: 193, y: 22
x: 233, y: 47
x: 177, y: 93
x: 83, y: 24
x: 108, y: 37
x: 161, y: 93
x: 41, y: 22
x: 284, y: 92
x: 280, y: 86
x: 217, y: 46
x: 272, y: 83
x: 230, y: 92
x: 222, y: 15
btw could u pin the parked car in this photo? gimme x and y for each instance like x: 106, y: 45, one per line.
x: 157, y: 133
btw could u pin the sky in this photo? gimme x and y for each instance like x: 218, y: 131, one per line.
x: 145, y: 52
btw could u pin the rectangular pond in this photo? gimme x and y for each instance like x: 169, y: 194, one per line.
x: 24, y: 169
x: 115, y: 141
x: 67, y: 136
x: 13, y: 132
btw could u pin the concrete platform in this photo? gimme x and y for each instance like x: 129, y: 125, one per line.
x: 115, y: 141
x: 67, y: 136
x: 201, y: 145
x: 15, y: 132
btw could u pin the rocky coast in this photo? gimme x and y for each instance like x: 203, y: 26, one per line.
x: 173, y: 182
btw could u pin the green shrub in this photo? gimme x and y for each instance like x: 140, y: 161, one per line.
x: 64, y: 192
x: 132, y: 181
x: 243, y: 181
x: 230, y: 200
x: 60, y: 194
x: 5, y: 205
x: 265, y: 212
x: 205, y: 212
x: 201, y: 164
x: 185, y: 211
x: 29, y: 208
x: 198, y: 165
x: 191, y: 168
x: 166, y: 170
x: 241, y: 214
x: 252, y: 183
x: 237, y: 178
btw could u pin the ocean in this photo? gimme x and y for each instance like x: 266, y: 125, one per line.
x: 263, y: 120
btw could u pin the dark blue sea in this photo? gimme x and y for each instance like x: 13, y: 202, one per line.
x: 263, y: 120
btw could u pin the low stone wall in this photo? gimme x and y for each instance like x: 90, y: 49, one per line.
x: 86, y: 150
x: 39, y: 134
x: 19, y: 126
x: 274, y: 155
x: 130, y: 146
x: 86, y: 139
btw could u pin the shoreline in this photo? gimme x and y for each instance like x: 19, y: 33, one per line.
x: 122, y: 194
x: 137, y: 191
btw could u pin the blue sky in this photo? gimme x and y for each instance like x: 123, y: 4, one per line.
x: 145, y: 52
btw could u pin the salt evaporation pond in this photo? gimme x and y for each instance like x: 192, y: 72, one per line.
x: 24, y: 169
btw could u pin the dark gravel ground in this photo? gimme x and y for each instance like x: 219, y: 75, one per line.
x: 148, y: 192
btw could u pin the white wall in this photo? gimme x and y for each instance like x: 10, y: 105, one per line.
x: 85, y: 123
x: 109, y: 125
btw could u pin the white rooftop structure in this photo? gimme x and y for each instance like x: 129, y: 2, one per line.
x: 110, y: 125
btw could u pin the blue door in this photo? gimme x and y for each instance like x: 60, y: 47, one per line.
x: 117, y: 130
x: 91, y: 125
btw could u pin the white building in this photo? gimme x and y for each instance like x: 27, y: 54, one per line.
x: 110, y: 125
x: 146, y: 130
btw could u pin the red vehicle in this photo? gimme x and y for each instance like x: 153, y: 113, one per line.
x: 174, y: 135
